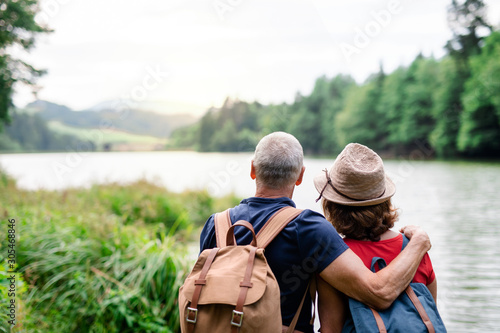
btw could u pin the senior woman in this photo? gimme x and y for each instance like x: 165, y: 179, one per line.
x: 356, y: 196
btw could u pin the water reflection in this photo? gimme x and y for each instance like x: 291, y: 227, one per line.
x: 458, y: 204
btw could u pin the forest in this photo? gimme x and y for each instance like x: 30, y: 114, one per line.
x: 44, y: 126
x: 450, y: 106
x: 30, y: 132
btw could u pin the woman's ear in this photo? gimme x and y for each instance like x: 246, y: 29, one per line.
x: 299, y: 180
x: 252, y: 172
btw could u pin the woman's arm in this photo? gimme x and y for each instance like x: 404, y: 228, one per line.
x: 332, y: 307
x: 433, y: 289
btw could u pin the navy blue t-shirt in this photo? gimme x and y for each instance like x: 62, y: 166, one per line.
x: 305, y: 247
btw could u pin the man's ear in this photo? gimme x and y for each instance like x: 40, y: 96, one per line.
x: 299, y: 180
x: 252, y: 172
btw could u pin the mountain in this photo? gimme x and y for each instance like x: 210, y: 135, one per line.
x: 125, y: 119
x: 158, y: 106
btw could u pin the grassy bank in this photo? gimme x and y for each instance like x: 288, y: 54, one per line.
x: 106, y: 259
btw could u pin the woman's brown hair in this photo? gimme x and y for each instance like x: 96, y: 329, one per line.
x: 361, y: 222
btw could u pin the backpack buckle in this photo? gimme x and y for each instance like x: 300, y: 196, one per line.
x: 237, y: 314
x: 189, y: 312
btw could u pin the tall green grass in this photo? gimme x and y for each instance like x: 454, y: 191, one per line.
x: 106, y: 259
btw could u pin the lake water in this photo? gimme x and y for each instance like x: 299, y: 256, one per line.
x: 458, y: 204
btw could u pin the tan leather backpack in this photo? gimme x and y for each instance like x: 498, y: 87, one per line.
x: 232, y: 288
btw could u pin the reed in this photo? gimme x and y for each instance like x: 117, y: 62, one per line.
x: 106, y: 259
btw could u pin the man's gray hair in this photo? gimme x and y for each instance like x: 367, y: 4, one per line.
x: 278, y: 160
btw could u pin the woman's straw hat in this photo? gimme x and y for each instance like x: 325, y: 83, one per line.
x: 357, y: 178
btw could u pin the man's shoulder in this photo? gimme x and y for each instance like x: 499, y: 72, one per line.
x: 309, y: 215
x: 314, y: 224
x: 307, y: 219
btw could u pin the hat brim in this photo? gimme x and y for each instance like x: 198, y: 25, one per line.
x: 330, y: 194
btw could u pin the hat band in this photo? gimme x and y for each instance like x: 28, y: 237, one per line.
x: 329, y: 181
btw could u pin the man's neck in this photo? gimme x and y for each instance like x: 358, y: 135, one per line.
x: 265, y: 192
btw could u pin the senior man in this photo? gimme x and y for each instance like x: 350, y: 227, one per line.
x: 309, y: 244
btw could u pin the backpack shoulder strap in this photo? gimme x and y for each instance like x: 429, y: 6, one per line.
x: 222, y: 222
x: 381, y: 262
x: 405, y: 242
x: 276, y: 224
x: 268, y: 232
x: 414, y: 299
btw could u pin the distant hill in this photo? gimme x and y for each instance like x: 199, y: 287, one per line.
x: 28, y: 132
x: 128, y: 120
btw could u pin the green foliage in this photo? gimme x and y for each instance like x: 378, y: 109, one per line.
x: 6, y: 89
x: 312, y: 118
x: 335, y: 100
x: 146, y: 203
x: 106, y: 259
x: 447, y: 107
x: 29, y: 132
x: 306, y: 118
x: 238, y: 126
x: 467, y: 19
x: 305, y: 124
x: 362, y: 110
x: 275, y: 118
x: 119, y: 117
x: 417, y: 121
x: 8, y: 144
x: 105, y: 278
x: 104, y: 136
x: 451, y: 107
x: 6, y: 182
x: 232, y: 128
x: 207, y: 130
x: 184, y: 138
x: 226, y: 138
x: 6, y: 293
x: 18, y: 28
x: 391, y: 103
x: 480, y: 122
x: 393, y: 111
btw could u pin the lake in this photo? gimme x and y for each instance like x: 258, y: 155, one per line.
x: 458, y: 204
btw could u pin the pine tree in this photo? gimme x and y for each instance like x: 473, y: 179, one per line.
x: 467, y: 21
x: 17, y: 28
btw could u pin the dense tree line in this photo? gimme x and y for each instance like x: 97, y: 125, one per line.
x: 233, y: 127
x: 29, y: 132
x: 450, y: 106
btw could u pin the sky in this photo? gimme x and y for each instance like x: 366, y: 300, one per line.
x: 184, y: 56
